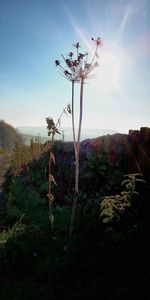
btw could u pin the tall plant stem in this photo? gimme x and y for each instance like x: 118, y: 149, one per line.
x: 76, y: 192
x: 49, y: 181
x: 94, y: 55
x: 73, y: 126
x: 52, y: 158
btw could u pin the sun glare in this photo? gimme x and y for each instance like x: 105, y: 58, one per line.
x: 109, y: 71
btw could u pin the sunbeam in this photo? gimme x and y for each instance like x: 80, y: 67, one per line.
x: 129, y: 11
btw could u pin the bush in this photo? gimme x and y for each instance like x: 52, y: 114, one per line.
x: 22, y: 200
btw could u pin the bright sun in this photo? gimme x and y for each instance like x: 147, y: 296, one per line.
x: 113, y: 63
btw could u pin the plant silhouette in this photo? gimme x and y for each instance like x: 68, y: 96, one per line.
x: 52, y: 130
x: 77, y: 69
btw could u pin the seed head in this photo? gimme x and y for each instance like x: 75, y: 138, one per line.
x: 57, y: 63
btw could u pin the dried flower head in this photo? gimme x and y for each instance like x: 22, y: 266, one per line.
x: 69, y: 108
x: 97, y: 41
x: 52, y: 129
x: 79, y: 68
x: 77, y: 45
x: 70, y: 54
x: 57, y: 63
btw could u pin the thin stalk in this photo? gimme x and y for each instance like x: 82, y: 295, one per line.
x: 79, y: 136
x: 50, y: 196
x: 81, y: 113
x: 94, y: 54
x: 92, y: 60
x: 76, y: 193
x: 73, y: 126
x: 49, y: 181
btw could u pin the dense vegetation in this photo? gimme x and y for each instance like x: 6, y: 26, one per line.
x: 8, y: 136
x: 108, y: 257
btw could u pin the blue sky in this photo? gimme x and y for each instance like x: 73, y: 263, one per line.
x: 33, y: 33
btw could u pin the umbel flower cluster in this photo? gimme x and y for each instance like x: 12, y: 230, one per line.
x: 77, y: 65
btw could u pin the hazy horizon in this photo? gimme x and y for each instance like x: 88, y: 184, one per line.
x: 24, y: 128
x: 66, y: 131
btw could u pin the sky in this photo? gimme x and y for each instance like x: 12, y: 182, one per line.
x: 34, y: 33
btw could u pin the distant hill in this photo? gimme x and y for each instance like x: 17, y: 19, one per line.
x: 66, y: 133
x: 8, y: 136
x: 124, y: 154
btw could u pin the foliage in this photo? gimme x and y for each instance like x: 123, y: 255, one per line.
x: 113, y: 206
x: 95, y: 172
x: 62, y: 218
x: 23, y: 200
x: 105, y: 260
x: 97, y: 264
x: 22, y: 155
x: 11, y: 232
x: 87, y: 218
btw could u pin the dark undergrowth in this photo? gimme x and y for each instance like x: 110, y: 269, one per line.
x: 108, y: 261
